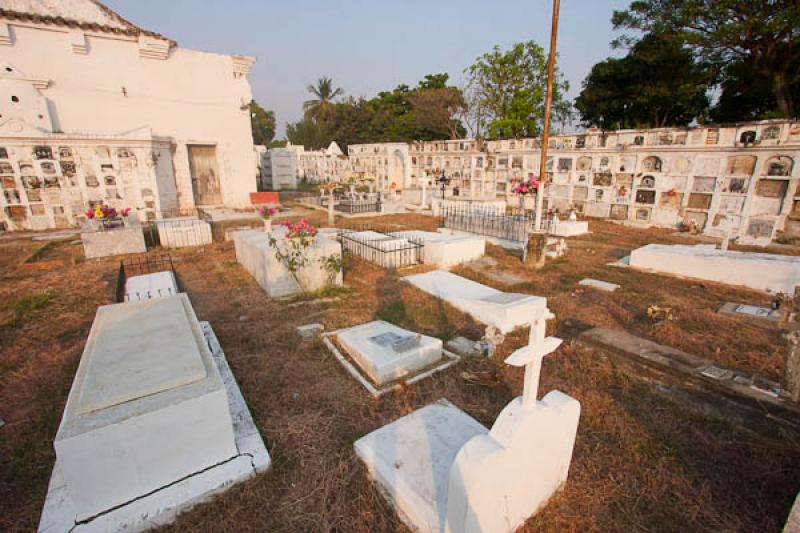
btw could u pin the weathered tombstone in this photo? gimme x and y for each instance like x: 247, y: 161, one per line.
x: 535, y: 250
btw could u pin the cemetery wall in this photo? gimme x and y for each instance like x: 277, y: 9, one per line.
x: 741, y: 179
x: 114, y: 94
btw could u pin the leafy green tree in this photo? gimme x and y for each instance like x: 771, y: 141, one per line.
x: 324, y: 93
x: 510, y: 88
x: 262, y: 123
x: 657, y: 84
x: 746, y: 95
x: 426, y: 112
x: 306, y: 133
x: 763, y: 33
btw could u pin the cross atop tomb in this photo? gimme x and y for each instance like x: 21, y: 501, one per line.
x: 531, y: 356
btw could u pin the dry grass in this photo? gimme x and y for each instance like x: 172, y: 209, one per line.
x: 697, y: 329
x: 643, y: 460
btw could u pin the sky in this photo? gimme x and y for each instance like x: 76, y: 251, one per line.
x: 371, y: 46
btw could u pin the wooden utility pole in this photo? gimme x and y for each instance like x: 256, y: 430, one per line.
x: 551, y: 63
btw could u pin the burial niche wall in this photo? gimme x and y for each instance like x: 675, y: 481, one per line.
x: 644, y: 196
x: 652, y: 164
x: 780, y: 165
x: 743, y: 165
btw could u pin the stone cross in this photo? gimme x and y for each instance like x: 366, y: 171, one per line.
x: 531, y: 356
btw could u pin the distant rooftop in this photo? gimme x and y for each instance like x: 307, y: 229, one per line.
x: 83, y: 14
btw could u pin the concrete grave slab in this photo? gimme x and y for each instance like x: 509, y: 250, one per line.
x: 569, y: 228
x: 411, y: 458
x: 445, y: 250
x: 486, y: 304
x: 782, y: 317
x: 382, y: 354
x: 148, y: 408
x: 148, y: 286
x: 386, y: 352
x: 766, y: 272
x: 162, y: 506
x: 597, y: 284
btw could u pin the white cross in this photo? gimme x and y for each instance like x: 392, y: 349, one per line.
x: 531, y: 356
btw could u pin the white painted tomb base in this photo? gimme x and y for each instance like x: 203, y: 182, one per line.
x: 127, y: 239
x: 445, y: 472
x: 504, y: 310
x: 767, y: 272
x: 183, y: 231
x: 444, y: 250
x: 148, y: 286
x: 255, y: 254
x: 600, y: 285
x: 154, y: 423
x: 383, y: 355
x: 569, y: 228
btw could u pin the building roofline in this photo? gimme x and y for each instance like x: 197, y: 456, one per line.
x: 131, y: 29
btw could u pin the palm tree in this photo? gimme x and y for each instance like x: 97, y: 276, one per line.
x: 319, y: 107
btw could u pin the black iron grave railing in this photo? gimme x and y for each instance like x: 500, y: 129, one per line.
x: 137, y: 266
x: 512, y: 227
x: 355, y: 207
x: 382, y: 249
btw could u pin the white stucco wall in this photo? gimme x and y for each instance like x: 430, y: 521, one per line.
x: 107, y: 84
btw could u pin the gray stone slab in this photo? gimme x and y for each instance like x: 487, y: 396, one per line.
x: 597, y: 284
x: 122, y: 346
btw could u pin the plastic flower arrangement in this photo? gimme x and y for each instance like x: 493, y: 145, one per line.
x: 266, y: 212
x: 526, y: 186
x: 299, y: 229
x: 104, y: 211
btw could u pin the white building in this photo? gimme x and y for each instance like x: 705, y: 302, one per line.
x: 95, y: 109
x: 388, y: 163
x: 319, y: 166
x: 737, y: 179
x: 278, y: 169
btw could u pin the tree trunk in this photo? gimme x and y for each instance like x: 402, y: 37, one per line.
x: 783, y: 95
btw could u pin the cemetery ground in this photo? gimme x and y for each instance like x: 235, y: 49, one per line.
x: 651, y: 453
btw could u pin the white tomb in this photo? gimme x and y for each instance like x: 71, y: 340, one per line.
x: 443, y: 471
x: 504, y: 310
x: 183, y: 231
x: 568, y: 228
x: 767, y: 272
x: 384, y: 354
x: 255, y: 254
x: 444, y: 250
x: 153, y: 423
x: 148, y: 286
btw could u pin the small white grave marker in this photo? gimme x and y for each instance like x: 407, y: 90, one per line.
x: 443, y: 471
x: 597, y: 284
